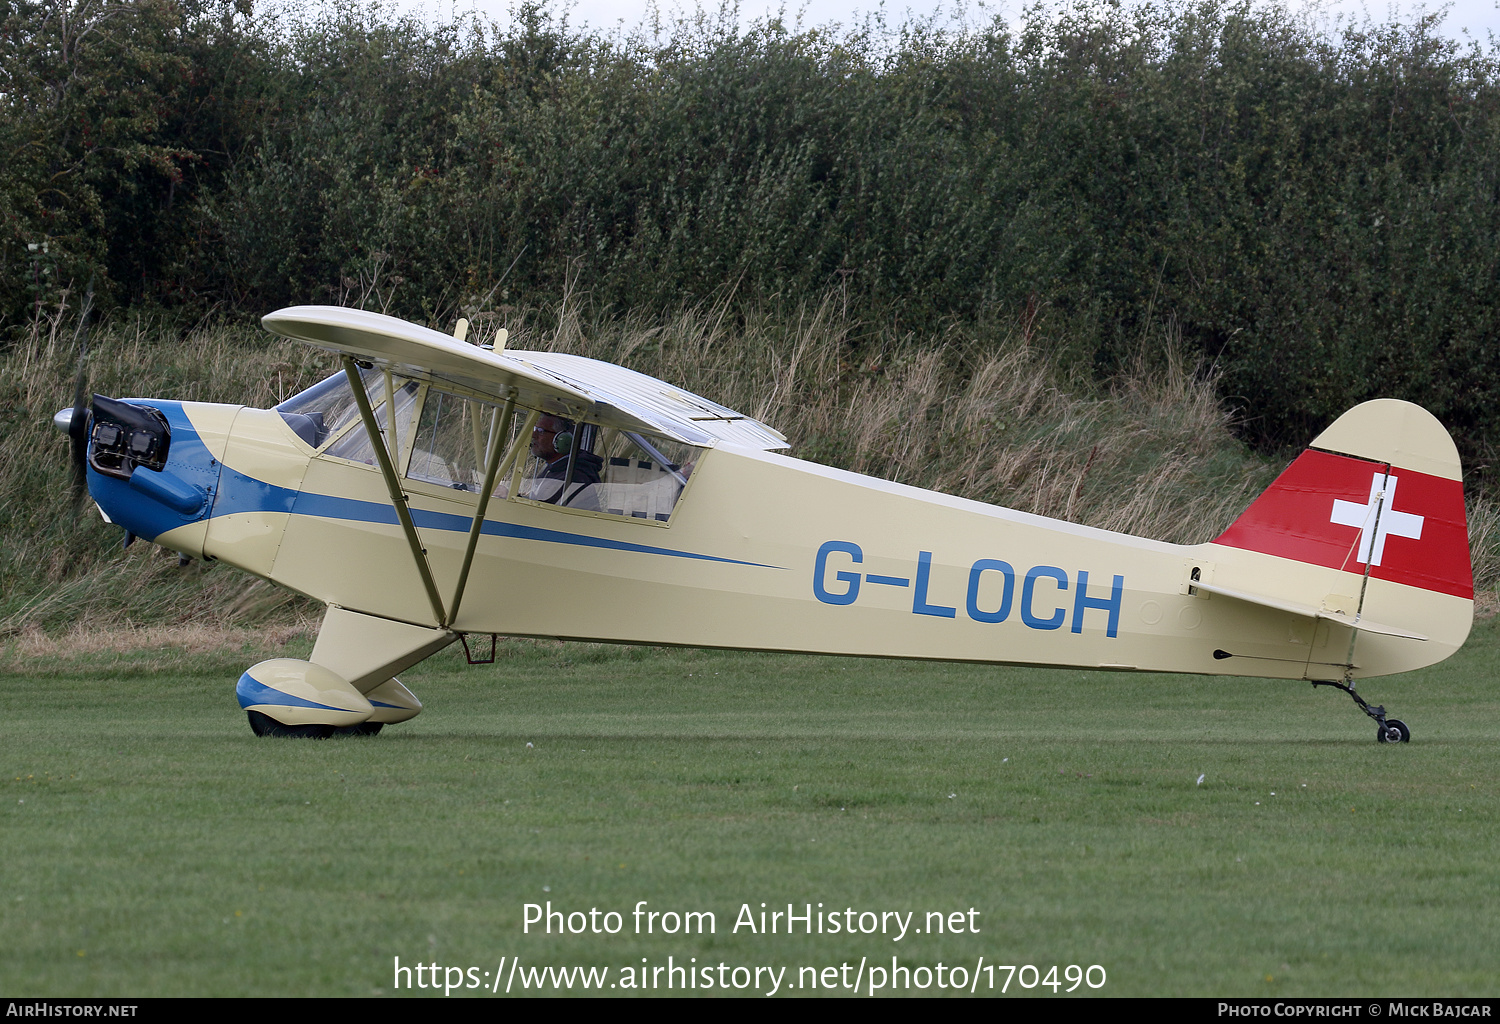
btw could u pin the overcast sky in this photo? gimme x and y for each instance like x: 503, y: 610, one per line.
x: 1478, y: 17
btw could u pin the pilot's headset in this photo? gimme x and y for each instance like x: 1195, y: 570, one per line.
x: 562, y: 443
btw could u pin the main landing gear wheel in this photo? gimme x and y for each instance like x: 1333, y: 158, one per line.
x: 362, y: 729
x: 1393, y: 731
x: 265, y: 725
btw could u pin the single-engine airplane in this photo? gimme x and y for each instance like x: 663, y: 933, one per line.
x: 435, y: 489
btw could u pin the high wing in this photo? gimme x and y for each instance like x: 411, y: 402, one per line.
x: 568, y: 385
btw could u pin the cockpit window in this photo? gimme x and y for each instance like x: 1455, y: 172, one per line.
x: 325, y: 409
x: 644, y: 475
x: 453, y: 435
x: 355, y: 445
x: 617, y: 473
x: 620, y: 473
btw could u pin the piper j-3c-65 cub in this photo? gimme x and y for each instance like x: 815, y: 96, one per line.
x: 435, y: 489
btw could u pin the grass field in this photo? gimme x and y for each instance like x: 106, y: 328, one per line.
x: 152, y: 846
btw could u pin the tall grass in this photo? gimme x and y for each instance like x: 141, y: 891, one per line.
x: 981, y: 411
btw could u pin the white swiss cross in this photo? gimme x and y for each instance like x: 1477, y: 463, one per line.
x: 1371, y: 533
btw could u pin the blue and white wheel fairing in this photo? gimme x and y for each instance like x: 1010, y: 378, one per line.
x: 392, y: 702
x: 298, y: 693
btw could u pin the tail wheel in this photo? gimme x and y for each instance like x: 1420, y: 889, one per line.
x: 265, y: 725
x: 1394, y: 731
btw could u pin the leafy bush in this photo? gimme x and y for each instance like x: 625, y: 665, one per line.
x: 1315, y: 214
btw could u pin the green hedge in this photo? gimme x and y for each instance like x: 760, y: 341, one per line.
x: 1317, y: 214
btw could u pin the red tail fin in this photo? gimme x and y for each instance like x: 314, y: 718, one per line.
x: 1382, y: 486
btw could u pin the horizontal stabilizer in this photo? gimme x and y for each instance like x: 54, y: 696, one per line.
x: 1310, y: 611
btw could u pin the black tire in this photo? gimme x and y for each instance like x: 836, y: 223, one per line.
x: 265, y: 725
x: 362, y: 729
x: 1393, y: 731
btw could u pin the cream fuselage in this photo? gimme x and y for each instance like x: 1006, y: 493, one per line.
x: 767, y: 552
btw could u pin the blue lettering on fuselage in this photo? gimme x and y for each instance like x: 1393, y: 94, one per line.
x: 1111, y: 604
x: 989, y: 599
x: 975, y: 574
x: 920, y: 606
x: 820, y: 573
x: 1028, y: 597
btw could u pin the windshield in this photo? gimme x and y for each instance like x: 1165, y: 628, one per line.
x: 325, y: 409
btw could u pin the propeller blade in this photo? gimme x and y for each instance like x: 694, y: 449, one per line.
x: 78, y: 422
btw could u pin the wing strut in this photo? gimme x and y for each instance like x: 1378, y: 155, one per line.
x: 491, y: 471
x: 393, y: 485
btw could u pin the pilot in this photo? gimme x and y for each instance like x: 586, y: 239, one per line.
x: 552, y: 441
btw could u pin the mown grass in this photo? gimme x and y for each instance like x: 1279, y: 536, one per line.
x: 155, y: 847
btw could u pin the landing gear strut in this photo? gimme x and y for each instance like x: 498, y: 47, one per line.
x: 1387, y: 730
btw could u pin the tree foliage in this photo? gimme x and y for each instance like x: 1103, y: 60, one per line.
x: 1317, y: 213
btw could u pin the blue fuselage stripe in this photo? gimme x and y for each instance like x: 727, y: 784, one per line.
x: 246, y: 494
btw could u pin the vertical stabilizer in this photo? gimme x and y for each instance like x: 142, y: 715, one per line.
x: 1379, y: 493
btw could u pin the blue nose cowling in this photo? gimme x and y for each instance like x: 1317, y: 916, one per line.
x: 170, y: 490
x: 153, y: 502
